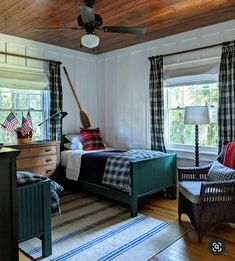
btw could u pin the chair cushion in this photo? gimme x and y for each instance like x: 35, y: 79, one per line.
x: 219, y: 172
x: 190, y: 190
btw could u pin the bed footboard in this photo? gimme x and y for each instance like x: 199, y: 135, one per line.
x: 34, y: 214
x: 152, y: 175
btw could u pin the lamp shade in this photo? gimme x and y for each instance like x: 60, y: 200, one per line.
x: 90, y: 40
x: 196, y: 115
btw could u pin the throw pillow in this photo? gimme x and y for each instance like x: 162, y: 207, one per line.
x: 219, y: 172
x: 91, y: 139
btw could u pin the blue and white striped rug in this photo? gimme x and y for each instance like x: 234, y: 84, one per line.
x: 94, y: 229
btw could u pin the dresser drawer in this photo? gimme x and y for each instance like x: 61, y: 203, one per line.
x: 24, y: 164
x: 37, y: 152
x: 47, y: 170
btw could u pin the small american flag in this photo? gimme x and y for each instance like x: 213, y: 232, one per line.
x: 29, y: 120
x: 25, y: 129
x: 10, y: 123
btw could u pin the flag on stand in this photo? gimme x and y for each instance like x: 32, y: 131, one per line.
x: 29, y: 120
x: 25, y: 129
x: 10, y: 123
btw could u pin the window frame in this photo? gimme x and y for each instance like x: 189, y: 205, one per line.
x: 184, y: 150
x: 44, y: 105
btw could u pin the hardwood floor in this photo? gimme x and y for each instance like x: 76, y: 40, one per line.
x: 187, y: 248
x: 23, y: 257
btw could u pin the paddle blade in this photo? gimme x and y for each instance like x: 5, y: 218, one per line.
x: 84, y: 120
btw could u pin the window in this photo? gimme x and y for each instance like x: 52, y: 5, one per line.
x: 19, y: 101
x: 176, y: 98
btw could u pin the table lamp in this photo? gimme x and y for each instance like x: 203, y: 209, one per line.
x: 196, y: 115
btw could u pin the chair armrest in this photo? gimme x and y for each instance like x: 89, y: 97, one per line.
x: 218, y: 191
x: 193, y: 173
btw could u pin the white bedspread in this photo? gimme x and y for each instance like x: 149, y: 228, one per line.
x: 74, y: 162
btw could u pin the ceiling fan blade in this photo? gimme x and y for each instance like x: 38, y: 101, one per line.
x: 124, y: 29
x: 54, y: 29
x: 87, y: 14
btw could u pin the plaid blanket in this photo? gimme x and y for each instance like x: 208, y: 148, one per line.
x: 117, y: 168
x: 27, y: 177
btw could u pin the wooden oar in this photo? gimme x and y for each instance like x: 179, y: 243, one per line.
x: 83, y: 117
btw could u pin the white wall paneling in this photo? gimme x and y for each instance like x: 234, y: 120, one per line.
x: 81, y: 68
x: 123, y: 81
x: 113, y: 87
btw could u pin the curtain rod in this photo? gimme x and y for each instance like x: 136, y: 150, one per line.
x: 195, y: 49
x: 29, y: 57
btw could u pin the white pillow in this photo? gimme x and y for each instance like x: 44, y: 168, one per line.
x: 73, y: 138
x: 73, y: 146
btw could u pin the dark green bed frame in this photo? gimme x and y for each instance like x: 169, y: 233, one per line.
x: 34, y: 214
x: 148, y: 176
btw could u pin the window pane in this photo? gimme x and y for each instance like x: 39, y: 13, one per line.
x: 193, y: 95
x: 176, y: 119
x: 35, y: 101
x: 214, y: 95
x: 6, y: 100
x: 196, y: 95
x: 176, y: 97
x: 20, y: 101
x: 37, y: 118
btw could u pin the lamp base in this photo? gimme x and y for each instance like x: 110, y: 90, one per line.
x: 196, y: 146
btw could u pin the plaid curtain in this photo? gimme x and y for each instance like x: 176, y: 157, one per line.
x: 55, y: 124
x: 226, y: 110
x: 156, y: 93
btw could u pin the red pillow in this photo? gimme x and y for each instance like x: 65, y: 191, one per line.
x: 91, y: 139
x: 229, y: 156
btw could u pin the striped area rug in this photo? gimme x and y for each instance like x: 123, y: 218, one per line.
x: 91, y: 228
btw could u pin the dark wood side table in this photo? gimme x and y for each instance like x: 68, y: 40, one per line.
x: 8, y: 209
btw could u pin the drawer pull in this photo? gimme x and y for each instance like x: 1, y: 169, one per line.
x: 48, y: 171
x: 47, y: 150
x: 48, y: 160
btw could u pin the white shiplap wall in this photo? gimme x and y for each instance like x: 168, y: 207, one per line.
x: 80, y: 66
x: 122, y: 79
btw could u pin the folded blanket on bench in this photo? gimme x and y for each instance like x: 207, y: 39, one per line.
x: 117, y: 168
x: 27, y: 177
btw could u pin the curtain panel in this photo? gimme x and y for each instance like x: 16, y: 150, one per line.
x: 156, y: 93
x: 55, y: 87
x: 226, y: 110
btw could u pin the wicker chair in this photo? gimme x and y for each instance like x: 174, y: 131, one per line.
x: 205, y: 203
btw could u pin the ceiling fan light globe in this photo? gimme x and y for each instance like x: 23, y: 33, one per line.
x: 90, y: 40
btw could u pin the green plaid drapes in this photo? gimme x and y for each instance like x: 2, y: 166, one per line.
x: 55, y: 87
x: 156, y: 93
x: 226, y: 110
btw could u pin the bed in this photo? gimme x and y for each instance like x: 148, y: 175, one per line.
x: 148, y: 176
x: 37, y: 200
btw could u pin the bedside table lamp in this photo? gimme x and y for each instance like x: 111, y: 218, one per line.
x: 196, y: 115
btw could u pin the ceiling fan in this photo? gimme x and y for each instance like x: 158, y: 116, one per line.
x: 89, y: 21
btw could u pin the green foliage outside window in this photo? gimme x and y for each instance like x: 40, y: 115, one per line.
x: 19, y: 101
x: 179, y: 97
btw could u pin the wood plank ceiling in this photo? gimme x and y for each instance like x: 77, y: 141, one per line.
x: 160, y: 17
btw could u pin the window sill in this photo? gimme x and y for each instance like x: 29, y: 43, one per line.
x: 207, y: 155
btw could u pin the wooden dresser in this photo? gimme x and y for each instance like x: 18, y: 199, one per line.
x: 38, y: 157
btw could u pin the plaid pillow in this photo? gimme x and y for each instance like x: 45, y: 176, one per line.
x: 91, y: 139
x: 219, y: 172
